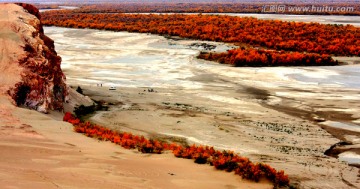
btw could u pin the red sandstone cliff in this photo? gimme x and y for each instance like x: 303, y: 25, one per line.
x: 29, y: 65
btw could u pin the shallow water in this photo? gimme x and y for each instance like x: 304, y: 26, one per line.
x: 323, y: 19
x: 345, y: 76
x: 120, y: 58
x: 125, y: 59
x: 345, y: 126
x: 350, y: 158
x: 60, y: 8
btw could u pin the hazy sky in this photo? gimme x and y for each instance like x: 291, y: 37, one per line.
x: 99, y: 1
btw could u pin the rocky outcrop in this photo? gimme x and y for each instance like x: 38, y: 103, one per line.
x: 28, y: 60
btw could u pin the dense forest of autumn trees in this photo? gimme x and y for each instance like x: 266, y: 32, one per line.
x: 261, y: 58
x: 201, y: 7
x: 225, y: 160
x: 273, y: 34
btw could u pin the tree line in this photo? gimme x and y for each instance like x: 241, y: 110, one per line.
x: 204, y: 7
x: 285, y: 43
x: 279, y: 35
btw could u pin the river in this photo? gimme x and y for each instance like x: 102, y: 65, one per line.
x: 259, y: 112
x: 125, y: 59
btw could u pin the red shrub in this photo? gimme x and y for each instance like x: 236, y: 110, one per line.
x: 259, y: 58
x: 225, y: 160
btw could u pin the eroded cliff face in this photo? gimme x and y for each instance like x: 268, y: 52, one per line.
x: 29, y: 65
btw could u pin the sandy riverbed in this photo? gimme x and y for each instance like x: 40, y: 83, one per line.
x: 267, y: 114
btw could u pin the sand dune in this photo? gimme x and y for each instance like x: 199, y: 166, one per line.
x: 40, y: 152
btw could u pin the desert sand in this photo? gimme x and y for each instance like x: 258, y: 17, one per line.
x: 10, y: 48
x: 40, y: 152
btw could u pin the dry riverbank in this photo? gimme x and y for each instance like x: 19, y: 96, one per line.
x: 250, y: 124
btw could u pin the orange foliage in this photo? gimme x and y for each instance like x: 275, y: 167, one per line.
x: 279, y: 35
x: 225, y: 160
x: 256, y: 58
x: 199, y: 7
